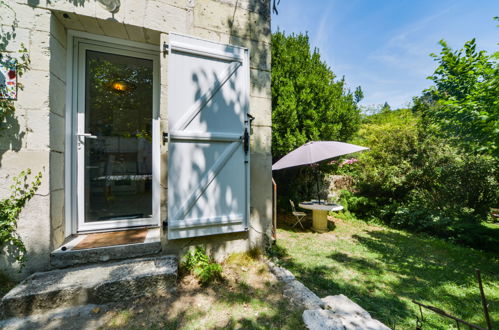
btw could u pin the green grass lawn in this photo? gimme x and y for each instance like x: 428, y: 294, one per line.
x: 383, y: 269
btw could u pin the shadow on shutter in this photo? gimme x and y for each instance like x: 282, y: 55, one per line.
x: 208, y: 169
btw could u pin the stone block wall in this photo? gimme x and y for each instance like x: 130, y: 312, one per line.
x: 25, y: 141
x: 37, y: 139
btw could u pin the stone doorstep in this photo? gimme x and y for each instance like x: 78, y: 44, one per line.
x: 68, y: 257
x: 91, y: 284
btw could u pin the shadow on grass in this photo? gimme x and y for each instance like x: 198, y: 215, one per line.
x: 432, y: 270
x: 322, y: 281
x: 393, y: 268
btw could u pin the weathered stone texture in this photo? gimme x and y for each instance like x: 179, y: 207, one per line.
x: 57, y: 30
x: 90, y: 24
x: 14, y: 162
x: 221, y: 17
x: 163, y: 17
x: 39, y: 50
x: 297, y: 293
x: 332, y: 312
x: 71, y: 258
x: 319, y: 319
x: 57, y: 132
x: 341, y: 313
x: 35, y: 94
x: 39, y: 141
x: 57, y: 97
x: 340, y: 304
x: 56, y: 170
x: 260, y: 84
x: 103, y: 283
x: 261, y: 109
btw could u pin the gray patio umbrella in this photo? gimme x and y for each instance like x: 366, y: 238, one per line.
x: 315, y: 152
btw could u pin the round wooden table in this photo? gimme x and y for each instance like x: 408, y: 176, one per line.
x: 319, y: 214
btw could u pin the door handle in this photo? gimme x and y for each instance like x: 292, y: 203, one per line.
x: 87, y: 135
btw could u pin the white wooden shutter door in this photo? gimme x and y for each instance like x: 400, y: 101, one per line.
x: 208, y: 157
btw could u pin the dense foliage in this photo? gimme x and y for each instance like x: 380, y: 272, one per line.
x: 308, y: 104
x: 434, y: 169
x: 463, y: 104
x: 421, y: 182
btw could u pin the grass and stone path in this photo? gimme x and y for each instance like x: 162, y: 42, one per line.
x: 383, y: 270
x: 248, y: 297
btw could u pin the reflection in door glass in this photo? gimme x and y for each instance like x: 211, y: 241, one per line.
x: 118, y: 163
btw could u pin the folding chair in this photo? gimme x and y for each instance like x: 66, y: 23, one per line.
x: 298, y: 215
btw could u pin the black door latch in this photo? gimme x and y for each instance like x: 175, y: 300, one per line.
x: 246, y: 138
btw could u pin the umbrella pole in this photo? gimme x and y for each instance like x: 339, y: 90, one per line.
x: 318, y: 192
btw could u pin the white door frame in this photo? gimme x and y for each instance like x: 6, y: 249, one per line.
x: 78, y: 43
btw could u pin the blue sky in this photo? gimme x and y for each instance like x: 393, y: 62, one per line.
x: 384, y: 45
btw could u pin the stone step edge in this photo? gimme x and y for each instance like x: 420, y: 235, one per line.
x: 24, y: 304
x: 331, y: 312
x: 59, y: 316
x: 70, y: 258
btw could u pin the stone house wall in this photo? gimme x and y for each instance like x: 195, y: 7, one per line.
x: 37, y: 139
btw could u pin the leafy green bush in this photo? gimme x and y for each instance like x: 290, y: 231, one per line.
x: 201, y: 265
x: 415, y: 180
x: 462, y: 105
x: 10, y: 208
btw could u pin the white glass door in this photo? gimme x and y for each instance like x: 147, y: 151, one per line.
x: 114, y: 138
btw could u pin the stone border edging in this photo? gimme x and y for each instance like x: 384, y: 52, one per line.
x: 294, y: 290
x: 332, y: 312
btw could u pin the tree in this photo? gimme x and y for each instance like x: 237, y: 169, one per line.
x: 358, y: 94
x: 307, y: 102
x: 463, y: 104
x: 385, y: 108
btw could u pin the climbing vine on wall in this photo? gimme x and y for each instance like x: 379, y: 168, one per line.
x: 22, y: 190
x: 20, y: 57
x: 7, y: 107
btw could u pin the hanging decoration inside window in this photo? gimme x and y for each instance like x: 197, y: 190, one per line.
x: 8, y: 79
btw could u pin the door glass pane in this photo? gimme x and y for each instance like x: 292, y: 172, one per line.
x: 118, y: 112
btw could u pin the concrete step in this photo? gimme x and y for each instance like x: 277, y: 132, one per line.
x: 91, y: 284
x: 84, y: 317
x: 65, y: 256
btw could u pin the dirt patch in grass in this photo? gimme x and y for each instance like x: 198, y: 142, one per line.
x: 248, y: 297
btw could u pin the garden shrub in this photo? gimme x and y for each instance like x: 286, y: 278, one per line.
x: 201, y: 265
x: 10, y: 208
x: 414, y: 180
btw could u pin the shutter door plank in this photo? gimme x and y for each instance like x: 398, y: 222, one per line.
x: 208, y: 170
x: 205, y: 181
x: 206, y: 97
